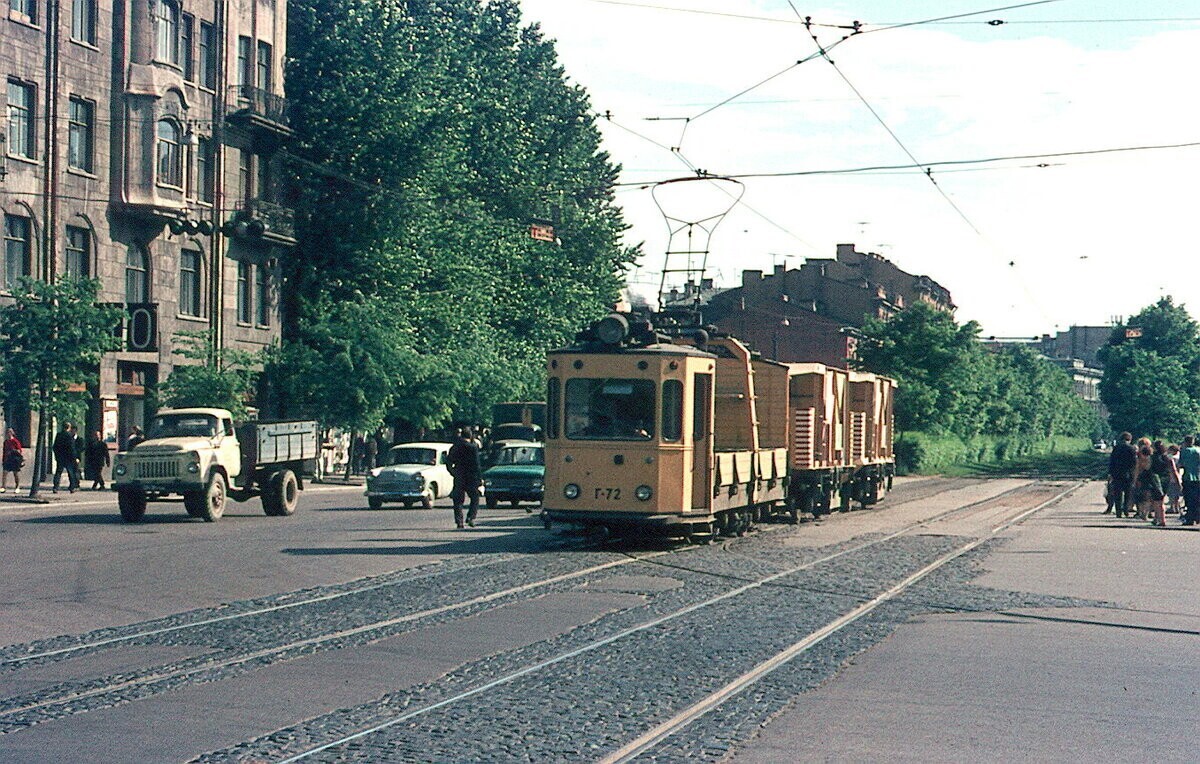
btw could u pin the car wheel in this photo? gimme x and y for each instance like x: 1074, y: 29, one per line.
x: 374, y: 502
x: 490, y: 501
x: 407, y: 503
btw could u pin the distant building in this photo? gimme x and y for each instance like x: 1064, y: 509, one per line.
x: 136, y: 131
x: 811, y: 313
x: 1076, y: 351
x: 691, y: 294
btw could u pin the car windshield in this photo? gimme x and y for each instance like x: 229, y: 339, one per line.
x: 183, y: 426
x: 610, y: 409
x: 516, y: 432
x: 410, y: 455
x: 522, y: 455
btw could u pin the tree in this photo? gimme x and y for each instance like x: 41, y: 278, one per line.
x: 224, y: 385
x: 52, y: 337
x: 416, y: 177
x: 1151, y: 382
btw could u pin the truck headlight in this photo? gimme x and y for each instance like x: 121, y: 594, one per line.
x: 193, y: 467
x: 571, y: 491
x: 643, y: 492
x: 120, y: 470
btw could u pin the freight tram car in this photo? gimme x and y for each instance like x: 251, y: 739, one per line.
x: 683, y: 430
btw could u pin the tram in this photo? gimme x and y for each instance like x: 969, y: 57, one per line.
x: 681, y: 429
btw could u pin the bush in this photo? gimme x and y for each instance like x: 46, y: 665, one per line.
x: 923, y: 453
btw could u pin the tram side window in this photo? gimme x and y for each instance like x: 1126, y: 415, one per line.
x: 552, y: 413
x: 672, y: 410
x: 610, y: 409
x: 701, y: 405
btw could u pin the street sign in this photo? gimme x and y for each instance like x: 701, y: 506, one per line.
x: 542, y: 232
x: 1133, y: 332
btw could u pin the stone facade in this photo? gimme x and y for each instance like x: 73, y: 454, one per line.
x: 142, y: 149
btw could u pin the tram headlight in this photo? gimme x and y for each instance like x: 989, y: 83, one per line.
x: 643, y: 492
x: 612, y: 329
x: 571, y: 491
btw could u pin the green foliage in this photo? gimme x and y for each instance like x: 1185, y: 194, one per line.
x: 226, y: 385
x: 51, y: 337
x: 950, y: 384
x: 923, y: 453
x: 431, y: 134
x: 1151, y: 382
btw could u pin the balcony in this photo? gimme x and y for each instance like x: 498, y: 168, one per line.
x: 259, y: 110
x: 258, y: 220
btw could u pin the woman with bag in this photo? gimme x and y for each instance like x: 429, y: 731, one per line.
x: 13, y: 460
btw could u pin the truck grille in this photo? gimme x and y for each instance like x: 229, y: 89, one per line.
x: 158, y: 468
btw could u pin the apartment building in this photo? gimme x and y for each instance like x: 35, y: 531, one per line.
x: 143, y: 146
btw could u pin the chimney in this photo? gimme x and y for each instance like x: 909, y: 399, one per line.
x: 780, y: 268
x: 751, y: 278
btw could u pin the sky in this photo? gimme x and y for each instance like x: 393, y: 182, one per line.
x: 1026, y: 246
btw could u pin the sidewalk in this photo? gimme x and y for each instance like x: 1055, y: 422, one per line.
x: 46, y: 495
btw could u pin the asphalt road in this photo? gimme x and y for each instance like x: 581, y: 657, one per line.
x: 346, y: 634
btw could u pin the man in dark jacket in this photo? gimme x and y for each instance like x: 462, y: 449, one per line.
x: 67, y: 447
x: 463, y: 463
x: 1120, y: 474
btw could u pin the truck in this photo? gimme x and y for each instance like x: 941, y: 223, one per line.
x: 199, y: 453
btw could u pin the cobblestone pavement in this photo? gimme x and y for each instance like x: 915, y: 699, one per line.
x: 573, y: 708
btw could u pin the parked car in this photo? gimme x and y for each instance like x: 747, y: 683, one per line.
x: 517, y: 475
x: 410, y: 473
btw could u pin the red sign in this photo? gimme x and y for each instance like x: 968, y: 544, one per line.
x: 542, y: 232
x: 1133, y: 332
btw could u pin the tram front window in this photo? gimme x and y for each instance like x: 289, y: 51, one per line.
x: 610, y: 409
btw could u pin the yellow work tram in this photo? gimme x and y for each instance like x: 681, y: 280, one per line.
x: 683, y: 430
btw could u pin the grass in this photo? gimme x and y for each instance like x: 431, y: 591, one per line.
x: 1055, y: 465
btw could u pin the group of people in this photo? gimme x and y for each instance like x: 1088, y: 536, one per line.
x: 69, y: 451
x: 1152, y: 478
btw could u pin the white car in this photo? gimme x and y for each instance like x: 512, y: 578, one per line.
x: 411, y: 473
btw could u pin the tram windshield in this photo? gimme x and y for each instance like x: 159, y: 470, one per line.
x: 610, y: 409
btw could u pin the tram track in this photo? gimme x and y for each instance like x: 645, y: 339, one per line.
x: 72, y: 699
x: 741, y: 589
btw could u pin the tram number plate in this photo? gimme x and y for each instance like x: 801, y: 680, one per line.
x: 610, y: 494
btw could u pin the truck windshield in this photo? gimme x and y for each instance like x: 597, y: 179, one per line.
x: 402, y: 455
x: 610, y: 409
x: 183, y: 426
x: 521, y: 455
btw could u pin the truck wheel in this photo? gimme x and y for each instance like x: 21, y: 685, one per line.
x: 209, y: 504
x: 132, y: 504
x: 282, y: 494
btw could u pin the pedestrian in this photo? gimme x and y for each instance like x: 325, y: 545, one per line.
x: 135, y: 436
x: 358, y: 453
x: 95, y: 459
x: 1140, y: 480
x: 1162, y: 473
x: 66, y: 458
x: 1121, y: 463
x: 13, y: 460
x: 1189, y: 466
x: 372, y: 446
x: 463, y: 463
x: 1175, y: 487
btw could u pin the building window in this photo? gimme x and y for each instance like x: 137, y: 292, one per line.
x: 83, y: 21
x: 262, y: 314
x: 137, y: 275
x: 207, y: 63
x: 168, y: 31
x: 18, y: 248
x: 243, y: 293
x: 20, y: 119
x: 79, y: 253
x: 81, y: 130
x: 189, y: 282
x: 170, y: 154
x: 245, y: 179
x: 187, y: 28
x: 263, y: 69
x: 205, y: 168
x: 244, y: 74
x: 262, y: 181
x: 25, y: 10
